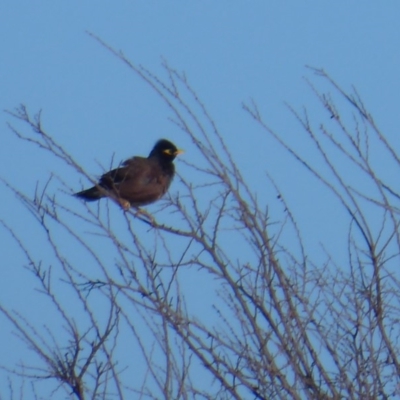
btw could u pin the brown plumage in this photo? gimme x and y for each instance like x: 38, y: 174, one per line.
x: 139, y: 181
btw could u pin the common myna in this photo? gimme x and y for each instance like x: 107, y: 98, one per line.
x: 139, y: 181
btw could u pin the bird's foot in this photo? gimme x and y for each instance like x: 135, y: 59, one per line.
x: 124, y: 204
x: 140, y: 212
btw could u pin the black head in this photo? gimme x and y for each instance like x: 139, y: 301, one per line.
x: 165, y: 150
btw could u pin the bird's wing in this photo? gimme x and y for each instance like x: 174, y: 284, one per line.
x: 139, y: 180
x: 131, y: 169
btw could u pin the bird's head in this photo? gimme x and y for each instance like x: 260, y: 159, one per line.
x: 166, y: 150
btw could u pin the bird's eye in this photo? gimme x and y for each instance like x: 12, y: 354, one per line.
x: 167, y: 151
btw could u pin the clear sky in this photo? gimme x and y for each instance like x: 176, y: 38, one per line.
x: 231, y: 51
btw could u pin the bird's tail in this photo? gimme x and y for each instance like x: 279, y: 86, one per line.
x: 92, y: 194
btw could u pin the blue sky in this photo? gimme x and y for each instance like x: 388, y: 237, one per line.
x: 230, y: 51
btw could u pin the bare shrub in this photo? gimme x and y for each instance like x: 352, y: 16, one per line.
x: 261, y: 319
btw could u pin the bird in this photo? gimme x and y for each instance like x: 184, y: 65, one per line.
x: 138, y: 181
